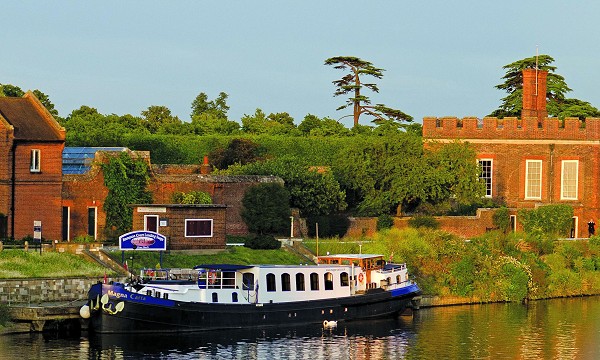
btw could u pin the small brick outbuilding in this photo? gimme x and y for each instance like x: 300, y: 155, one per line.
x: 187, y: 227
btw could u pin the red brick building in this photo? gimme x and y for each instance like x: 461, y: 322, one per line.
x: 84, y: 194
x: 31, y: 145
x: 534, y: 160
x: 185, y: 226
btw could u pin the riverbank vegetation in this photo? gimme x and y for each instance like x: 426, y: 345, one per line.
x: 493, y: 267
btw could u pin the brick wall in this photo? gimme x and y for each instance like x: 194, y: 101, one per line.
x: 511, y: 128
x: 38, y: 194
x: 175, y: 230
x: 464, y: 226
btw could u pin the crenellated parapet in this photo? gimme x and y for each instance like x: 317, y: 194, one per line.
x: 511, y: 128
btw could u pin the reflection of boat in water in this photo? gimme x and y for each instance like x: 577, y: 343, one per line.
x: 340, y: 288
x: 301, y: 337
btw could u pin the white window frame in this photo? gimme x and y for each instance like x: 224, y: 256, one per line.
x: 196, y: 236
x: 488, y: 186
x: 575, y: 227
x: 528, y: 187
x: 563, y: 179
x: 35, y: 161
x: 146, y: 222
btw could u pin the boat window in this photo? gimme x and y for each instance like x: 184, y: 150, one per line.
x: 328, y: 277
x: 314, y: 281
x: 157, y: 294
x: 215, y: 297
x: 299, y: 282
x: 344, y: 279
x: 228, y: 279
x: 398, y: 279
x: 271, y: 282
x: 285, y: 282
x: 248, y: 281
x: 165, y: 296
x: 234, y: 297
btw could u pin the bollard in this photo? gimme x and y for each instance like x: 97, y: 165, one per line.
x: 1, y: 246
x: 26, y: 246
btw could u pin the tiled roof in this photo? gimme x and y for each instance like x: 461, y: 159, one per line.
x: 29, y: 122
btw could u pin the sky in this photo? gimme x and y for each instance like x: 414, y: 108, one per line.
x: 441, y: 58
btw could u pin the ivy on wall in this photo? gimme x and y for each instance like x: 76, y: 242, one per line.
x: 126, y: 178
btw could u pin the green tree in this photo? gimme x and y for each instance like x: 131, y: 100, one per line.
x: 266, y: 209
x: 388, y: 173
x: 314, y: 191
x: 352, y: 84
x: 158, y: 119
x: 217, y: 107
x: 557, y: 103
x: 9, y: 90
x: 208, y: 124
x: 238, y: 151
x: 126, y: 178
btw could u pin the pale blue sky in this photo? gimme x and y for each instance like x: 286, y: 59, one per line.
x: 442, y: 58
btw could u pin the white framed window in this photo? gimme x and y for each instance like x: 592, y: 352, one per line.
x: 533, y: 179
x: 34, y: 164
x: 198, y: 227
x: 151, y: 223
x: 569, y: 179
x: 486, y: 166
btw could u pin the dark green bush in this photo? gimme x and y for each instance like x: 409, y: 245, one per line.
x: 334, y: 225
x: 4, y: 314
x: 262, y: 242
x: 424, y: 221
x: 385, y: 221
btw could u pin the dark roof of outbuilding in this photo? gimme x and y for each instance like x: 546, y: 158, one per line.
x: 30, y: 120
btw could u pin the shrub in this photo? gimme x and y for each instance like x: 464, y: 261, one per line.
x: 501, y: 219
x: 384, y: 221
x: 262, y: 242
x: 192, y: 197
x: 266, y: 208
x: 552, y: 220
x: 423, y: 221
x: 4, y: 314
x: 334, y: 225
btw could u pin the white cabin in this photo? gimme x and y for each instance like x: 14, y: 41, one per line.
x: 334, y: 276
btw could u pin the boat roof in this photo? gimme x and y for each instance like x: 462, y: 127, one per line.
x: 223, y: 267
x: 352, y: 256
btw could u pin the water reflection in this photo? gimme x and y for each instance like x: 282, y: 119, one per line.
x: 554, y: 329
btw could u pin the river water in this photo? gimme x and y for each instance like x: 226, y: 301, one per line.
x: 549, y: 329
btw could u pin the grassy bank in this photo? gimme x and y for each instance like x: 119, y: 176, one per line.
x: 16, y: 264
x: 494, y: 267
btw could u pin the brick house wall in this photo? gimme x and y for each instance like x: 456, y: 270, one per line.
x: 511, y: 142
x: 25, y: 125
x: 174, y: 218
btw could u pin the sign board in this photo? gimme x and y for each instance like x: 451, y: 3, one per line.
x: 142, y: 240
x: 37, y: 230
x: 148, y: 209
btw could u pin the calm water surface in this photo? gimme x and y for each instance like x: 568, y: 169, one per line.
x: 553, y: 329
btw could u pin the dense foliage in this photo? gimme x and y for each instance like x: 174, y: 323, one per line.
x: 126, y: 178
x: 192, y: 197
x: 266, y: 209
x: 493, y: 267
x: 549, y: 220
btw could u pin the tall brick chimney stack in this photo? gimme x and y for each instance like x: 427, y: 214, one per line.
x: 205, y: 168
x: 534, y: 100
